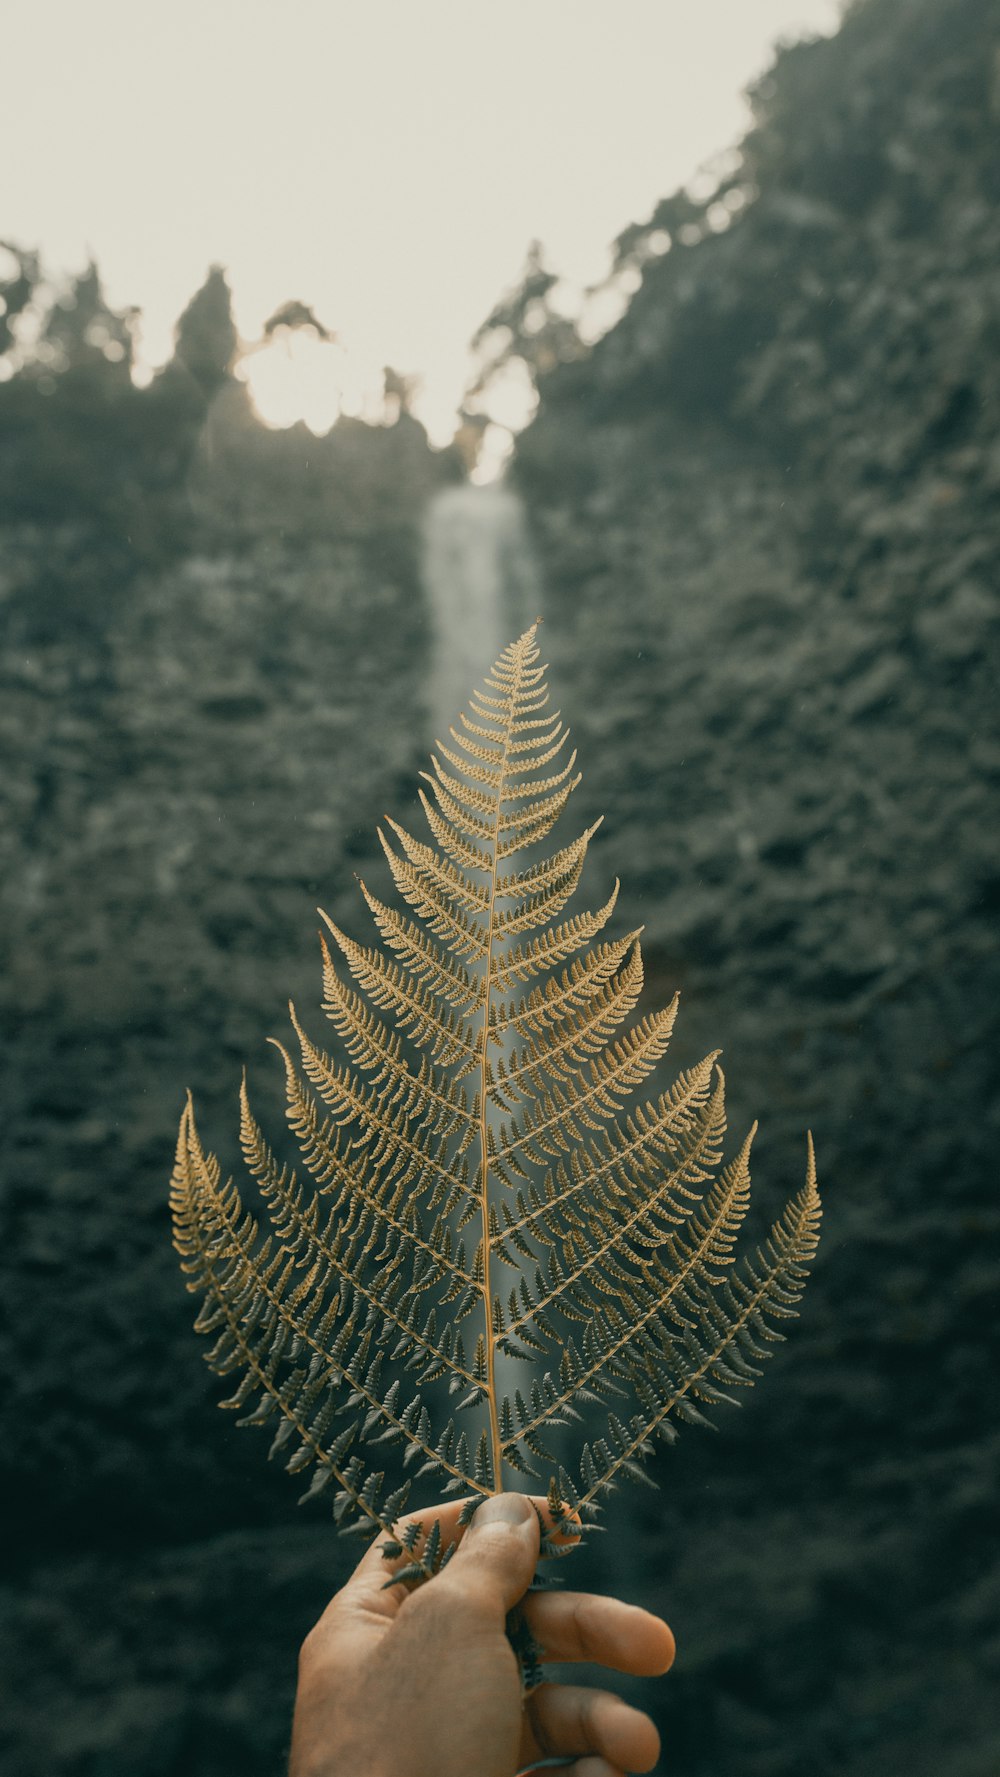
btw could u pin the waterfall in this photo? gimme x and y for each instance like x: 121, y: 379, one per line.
x: 482, y: 590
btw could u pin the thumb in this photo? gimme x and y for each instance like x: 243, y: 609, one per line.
x: 496, y: 1557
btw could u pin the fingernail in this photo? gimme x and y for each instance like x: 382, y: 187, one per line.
x: 505, y: 1508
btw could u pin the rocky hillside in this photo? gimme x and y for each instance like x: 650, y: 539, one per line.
x: 767, y: 510
x: 193, y: 760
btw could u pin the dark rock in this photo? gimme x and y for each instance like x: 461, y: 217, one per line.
x: 795, y: 516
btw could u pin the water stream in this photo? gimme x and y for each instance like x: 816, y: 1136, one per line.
x: 482, y: 588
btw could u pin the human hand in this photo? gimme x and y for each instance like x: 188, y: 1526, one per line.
x: 395, y: 1682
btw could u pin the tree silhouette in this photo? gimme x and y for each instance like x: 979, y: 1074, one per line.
x: 82, y: 333
x: 526, y: 332
x: 398, y: 391
x: 17, y: 292
x: 206, y: 340
x: 297, y: 317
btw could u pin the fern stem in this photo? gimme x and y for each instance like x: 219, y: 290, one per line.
x: 496, y: 1441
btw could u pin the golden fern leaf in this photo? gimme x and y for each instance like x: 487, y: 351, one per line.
x: 485, y: 1186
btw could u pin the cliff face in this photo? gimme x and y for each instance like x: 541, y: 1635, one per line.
x: 767, y: 510
x: 189, y: 748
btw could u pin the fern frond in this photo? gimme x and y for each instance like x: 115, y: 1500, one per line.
x: 459, y: 888
x: 420, y: 1014
x: 555, y: 1000
x: 553, y: 947
x: 732, y: 1321
x: 571, y: 1041
x: 451, y: 982
x: 481, y: 1186
x: 373, y: 1047
x: 328, y: 1247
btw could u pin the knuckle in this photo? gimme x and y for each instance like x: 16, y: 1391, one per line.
x: 319, y: 1644
x: 309, y: 1650
x: 586, y: 1622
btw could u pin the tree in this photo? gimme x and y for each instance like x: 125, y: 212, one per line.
x: 297, y: 317
x: 398, y: 391
x: 17, y: 292
x: 82, y: 333
x: 524, y: 338
x: 206, y: 340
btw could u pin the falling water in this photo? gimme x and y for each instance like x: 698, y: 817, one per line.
x: 482, y: 588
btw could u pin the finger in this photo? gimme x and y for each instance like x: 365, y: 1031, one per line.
x: 582, y: 1626
x: 567, y: 1721
x: 366, y: 1588
x: 495, y: 1560
x: 367, y: 1584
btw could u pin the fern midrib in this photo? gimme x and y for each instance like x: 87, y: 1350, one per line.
x: 496, y: 1442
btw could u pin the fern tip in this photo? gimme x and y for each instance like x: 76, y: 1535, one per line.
x: 283, y: 1052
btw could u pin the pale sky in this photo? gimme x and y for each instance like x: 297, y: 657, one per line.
x: 386, y: 161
